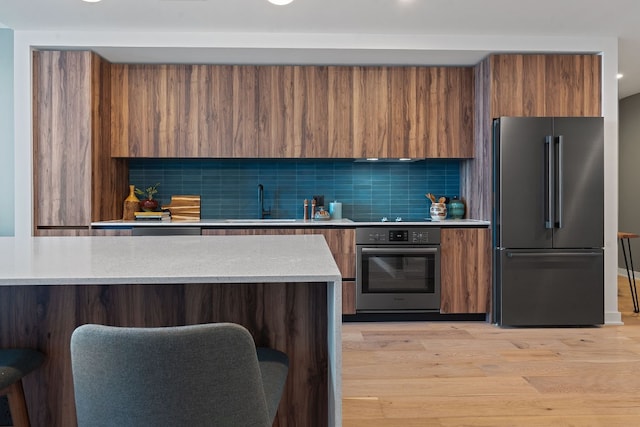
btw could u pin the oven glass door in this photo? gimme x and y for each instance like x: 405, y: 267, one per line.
x: 398, y: 277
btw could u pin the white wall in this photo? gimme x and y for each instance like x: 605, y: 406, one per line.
x: 6, y: 134
x: 629, y: 173
x: 24, y: 40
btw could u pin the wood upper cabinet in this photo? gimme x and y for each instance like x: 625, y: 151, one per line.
x: 465, y: 270
x: 370, y: 111
x: 75, y: 179
x: 291, y: 111
x: 545, y: 85
x: 184, y: 111
x: 413, y: 112
x: 340, y: 135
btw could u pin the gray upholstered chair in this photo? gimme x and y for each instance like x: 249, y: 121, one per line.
x: 198, y: 375
x: 15, y: 363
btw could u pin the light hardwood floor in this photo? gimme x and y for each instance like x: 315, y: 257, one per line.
x: 476, y: 374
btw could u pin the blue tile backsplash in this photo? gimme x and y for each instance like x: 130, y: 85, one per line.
x: 367, y: 190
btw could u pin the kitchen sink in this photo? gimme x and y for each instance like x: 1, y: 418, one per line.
x: 258, y: 220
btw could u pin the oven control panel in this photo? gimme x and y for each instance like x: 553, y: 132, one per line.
x: 398, y: 236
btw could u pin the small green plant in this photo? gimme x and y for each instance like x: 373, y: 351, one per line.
x: 148, y: 192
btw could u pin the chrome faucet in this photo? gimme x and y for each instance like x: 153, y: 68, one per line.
x: 263, y: 212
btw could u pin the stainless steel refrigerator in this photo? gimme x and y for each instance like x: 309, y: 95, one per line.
x: 548, y: 211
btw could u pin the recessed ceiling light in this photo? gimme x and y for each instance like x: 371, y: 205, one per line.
x: 91, y: 1
x: 619, y: 75
x: 280, y: 2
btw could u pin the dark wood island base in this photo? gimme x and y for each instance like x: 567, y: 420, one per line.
x: 290, y: 317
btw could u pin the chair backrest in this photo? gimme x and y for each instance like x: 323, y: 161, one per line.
x: 199, y: 375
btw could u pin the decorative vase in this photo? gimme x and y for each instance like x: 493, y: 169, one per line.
x: 456, y: 208
x: 131, y: 205
x: 438, y: 211
x: 149, y: 205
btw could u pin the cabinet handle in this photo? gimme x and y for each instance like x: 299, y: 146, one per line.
x: 550, y: 185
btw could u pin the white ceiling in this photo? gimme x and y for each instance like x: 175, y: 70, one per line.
x: 353, y: 19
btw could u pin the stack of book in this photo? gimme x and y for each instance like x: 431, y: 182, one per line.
x: 155, y: 216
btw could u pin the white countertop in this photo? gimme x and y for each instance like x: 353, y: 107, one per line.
x: 225, y: 223
x: 283, y: 223
x: 165, y: 259
x: 441, y: 223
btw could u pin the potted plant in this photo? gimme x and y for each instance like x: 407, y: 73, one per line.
x: 147, y: 202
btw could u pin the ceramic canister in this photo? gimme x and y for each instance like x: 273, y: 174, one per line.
x: 456, y: 208
x: 438, y: 211
x: 335, y: 210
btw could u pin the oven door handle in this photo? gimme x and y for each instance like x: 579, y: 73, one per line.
x: 401, y: 251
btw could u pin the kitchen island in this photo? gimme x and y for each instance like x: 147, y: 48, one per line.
x: 285, y: 289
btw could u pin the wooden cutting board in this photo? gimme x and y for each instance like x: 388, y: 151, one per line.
x: 184, y: 207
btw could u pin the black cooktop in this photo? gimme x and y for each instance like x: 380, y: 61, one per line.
x: 394, y: 219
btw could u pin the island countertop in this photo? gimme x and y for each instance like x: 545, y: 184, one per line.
x: 286, y: 290
x: 165, y: 259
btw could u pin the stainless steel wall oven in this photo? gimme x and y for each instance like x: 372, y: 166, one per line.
x: 397, y: 269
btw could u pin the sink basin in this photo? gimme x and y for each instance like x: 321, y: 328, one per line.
x: 258, y: 220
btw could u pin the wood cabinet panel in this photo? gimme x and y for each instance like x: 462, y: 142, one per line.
x: 449, y: 115
x: 245, y: 112
x: 370, y: 110
x: 75, y: 179
x: 284, y: 316
x: 517, y: 85
x: 341, y: 242
x: 62, y: 138
x: 573, y: 85
x: 109, y: 175
x: 545, y: 85
x: 465, y: 270
x: 184, y: 111
x: 348, y: 297
x: 276, y: 136
x: 291, y: 111
x: 406, y: 137
x: 339, y: 113
x: 310, y: 113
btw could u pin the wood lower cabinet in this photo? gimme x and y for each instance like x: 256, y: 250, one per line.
x: 348, y: 297
x: 341, y: 242
x: 465, y: 270
x: 76, y: 181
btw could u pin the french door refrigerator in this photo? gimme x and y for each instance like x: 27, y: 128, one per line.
x: 548, y: 211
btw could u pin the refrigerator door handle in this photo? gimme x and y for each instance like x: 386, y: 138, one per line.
x: 555, y: 254
x: 549, y: 220
x: 559, y: 176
